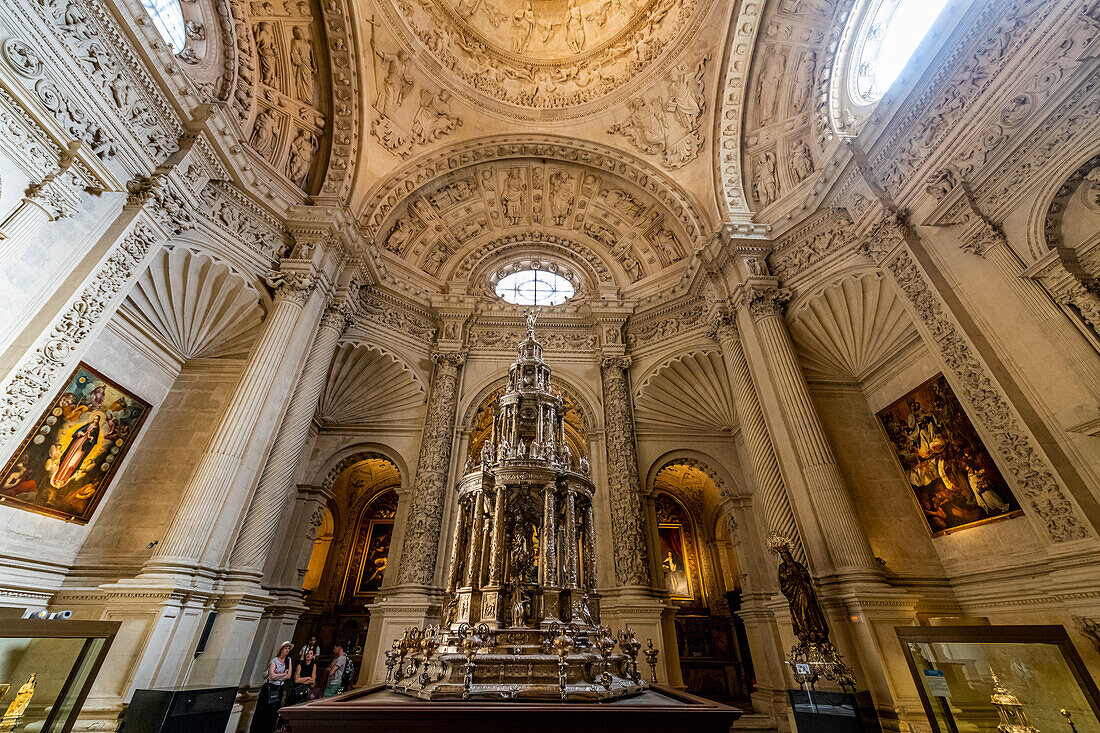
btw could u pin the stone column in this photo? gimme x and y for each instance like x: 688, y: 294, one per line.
x: 473, y: 557
x: 276, y: 484
x: 48, y: 200
x: 421, y: 545
x: 548, y: 538
x: 844, y: 537
x: 204, y: 497
x: 763, y: 462
x: 628, y: 529
x: 589, y: 548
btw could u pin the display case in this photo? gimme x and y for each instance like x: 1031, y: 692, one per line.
x: 46, y: 668
x: 1001, y: 678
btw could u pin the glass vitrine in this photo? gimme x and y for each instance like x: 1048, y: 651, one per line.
x: 46, y: 668
x: 990, y: 678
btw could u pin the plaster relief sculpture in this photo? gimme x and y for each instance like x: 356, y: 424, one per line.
x: 512, y: 197
x: 265, y: 134
x: 669, y: 125
x: 267, y: 52
x: 803, y: 83
x: 523, y: 24
x: 305, y: 69
x: 395, y: 82
x: 574, y: 27
x: 768, y: 84
x: 561, y: 196
x: 801, y: 161
x: 301, y: 157
x: 765, y: 185
x: 433, y: 117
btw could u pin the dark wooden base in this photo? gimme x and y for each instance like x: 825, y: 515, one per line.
x: 656, y: 710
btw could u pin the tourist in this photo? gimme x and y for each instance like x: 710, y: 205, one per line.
x: 271, y: 693
x: 336, y: 670
x: 305, y: 679
x: 312, y: 646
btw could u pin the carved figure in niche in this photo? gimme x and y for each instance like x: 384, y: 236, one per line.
x: 633, y: 267
x: 665, y: 244
x: 399, y: 236
x: 802, y: 161
x: 765, y: 185
x: 433, y: 262
x: 797, y: 587
x: 265, y: 134
x: 561, y: 196
x: 511, y: 198
x: 267, y: 51
x: 301, y: 58
x: 301, y: 157
x: 433, y: 117
x: 395, y: 82
x: 821, y: 7
x: 803, y: 83
x: 518, y: 601
x: 574, y: 27
x: 767, y: 86
x: 120, y: 91
x: 523, y: 24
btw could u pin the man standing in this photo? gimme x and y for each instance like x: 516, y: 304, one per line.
x: 336, y: 670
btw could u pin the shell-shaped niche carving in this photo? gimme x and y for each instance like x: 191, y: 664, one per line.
x: 200, y: 307
x: 850, y: 328
x: 368, y: 386
x: 690, y: 393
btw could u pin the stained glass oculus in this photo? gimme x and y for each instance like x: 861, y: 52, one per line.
x: 167, y: 16
x: 889, y: 36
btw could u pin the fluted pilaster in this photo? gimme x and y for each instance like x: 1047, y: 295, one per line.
x: 844, y: 536
x: 276, y: 484
x: 628, y: 529
x: 774, y: 500
x: 206, y: 491
x: 418, y: 553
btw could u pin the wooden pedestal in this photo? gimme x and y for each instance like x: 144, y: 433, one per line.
x: 656, y: 710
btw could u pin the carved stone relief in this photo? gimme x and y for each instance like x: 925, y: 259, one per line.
x: 669, y: 123
x: 491, y: 199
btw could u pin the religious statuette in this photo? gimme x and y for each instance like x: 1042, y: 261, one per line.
x: 814, y: 657
x: 522, y: 616
x: 19, y: 705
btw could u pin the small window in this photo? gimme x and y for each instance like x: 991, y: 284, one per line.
x: 167, y: 16
x: 890, y: 34
x: 534, y: 287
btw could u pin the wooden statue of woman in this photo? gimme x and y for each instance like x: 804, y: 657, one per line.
x: 798, y: 588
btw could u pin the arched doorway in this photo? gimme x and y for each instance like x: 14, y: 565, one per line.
x: 348, y: 566
x: 699, y: 570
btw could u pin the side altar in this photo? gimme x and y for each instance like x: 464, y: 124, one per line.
x: 520, y: 635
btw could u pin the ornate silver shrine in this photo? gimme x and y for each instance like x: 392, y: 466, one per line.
x: 522, y: 617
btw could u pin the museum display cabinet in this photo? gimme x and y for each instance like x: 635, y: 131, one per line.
x: 1022, y: 679
x: 46, y: 669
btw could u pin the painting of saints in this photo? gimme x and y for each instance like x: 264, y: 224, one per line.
x: 673, y: 561
x: 373, y: 567
x: 64, y: 466
x: 953, y: 477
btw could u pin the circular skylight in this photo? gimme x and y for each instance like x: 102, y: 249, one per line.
x: 534, y: 287
x: 167, y: 17
x: 889, y: 36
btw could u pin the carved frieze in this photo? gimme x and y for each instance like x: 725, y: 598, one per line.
x: 667, y: 323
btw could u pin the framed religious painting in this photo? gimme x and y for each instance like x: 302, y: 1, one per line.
x: 64, y: 466
x: 951, y: 474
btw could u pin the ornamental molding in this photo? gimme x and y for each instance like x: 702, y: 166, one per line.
x: 380, y: 310
x: 121, y: 89
x: 666, y: 323
x: 386, y: 196
x: 345, y: 142
x: 823, y: 236
x: 476, y: 261
x: 229, y: 212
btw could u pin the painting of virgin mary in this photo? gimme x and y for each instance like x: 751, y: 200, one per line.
x: 64, y: 466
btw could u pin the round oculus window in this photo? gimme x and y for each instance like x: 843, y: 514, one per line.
x: 167, y: 17
x: 890, y: 34
x: 534, y: 287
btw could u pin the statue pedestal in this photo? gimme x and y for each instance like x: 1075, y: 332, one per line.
x: 657, y: 710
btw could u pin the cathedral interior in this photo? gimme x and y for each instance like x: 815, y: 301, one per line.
x: 818, y: 282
